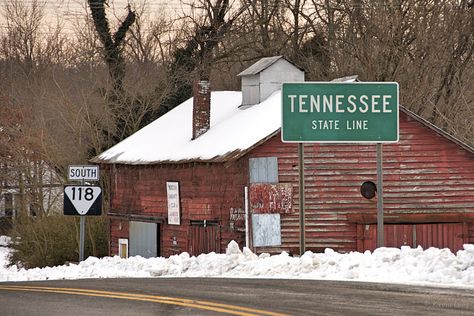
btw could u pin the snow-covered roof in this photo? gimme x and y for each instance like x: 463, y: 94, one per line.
x: 232, y: 133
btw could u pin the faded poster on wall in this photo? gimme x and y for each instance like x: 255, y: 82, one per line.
x: 172, y: 191
x: 271, y: 198
x: 237, y: 220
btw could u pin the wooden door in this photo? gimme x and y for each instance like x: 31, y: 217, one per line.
x: 204, y: 238
x: 439, y: 235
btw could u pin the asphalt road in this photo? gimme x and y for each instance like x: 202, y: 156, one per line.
x: 197, y: 296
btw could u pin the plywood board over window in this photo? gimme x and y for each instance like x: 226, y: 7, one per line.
x: 263, y: 170
x: 266, y: 230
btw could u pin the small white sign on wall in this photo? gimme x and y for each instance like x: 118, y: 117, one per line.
x: 172, y: 191
x: 123, y: 248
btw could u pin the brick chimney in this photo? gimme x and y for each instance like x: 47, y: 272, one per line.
x: 201, y: 108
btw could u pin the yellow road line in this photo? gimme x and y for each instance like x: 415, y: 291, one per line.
x: 240, y: 308
x: 205, y: 305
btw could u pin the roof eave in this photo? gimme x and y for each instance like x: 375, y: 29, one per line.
x: 228, y: 157
x: 437, y: 129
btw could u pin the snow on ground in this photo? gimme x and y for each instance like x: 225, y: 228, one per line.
x: 387, y: 265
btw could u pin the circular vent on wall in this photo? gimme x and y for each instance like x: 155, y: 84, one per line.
x: 368, y: 189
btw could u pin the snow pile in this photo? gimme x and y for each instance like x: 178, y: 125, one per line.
x: 392, y: 265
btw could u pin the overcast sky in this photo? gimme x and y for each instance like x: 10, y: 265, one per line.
x: 70, y: 10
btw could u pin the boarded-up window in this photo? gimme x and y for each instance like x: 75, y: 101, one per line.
x: 143, y: 239
x: 263, y: 170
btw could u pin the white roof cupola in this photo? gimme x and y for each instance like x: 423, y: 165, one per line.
x: 264, y: 77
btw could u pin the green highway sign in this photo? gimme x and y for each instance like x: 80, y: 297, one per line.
x: 349, y: 112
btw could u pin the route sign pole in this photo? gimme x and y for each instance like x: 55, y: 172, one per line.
x: 302, y: 197
x: 83, y: 202
x: 82, y: 227
x: 380, y: 228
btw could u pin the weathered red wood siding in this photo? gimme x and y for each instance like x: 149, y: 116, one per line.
x: 118, y: 229
x: 425, y: 174
x: 428, y: 179
x: 440, y: 235
x: 207, y: 192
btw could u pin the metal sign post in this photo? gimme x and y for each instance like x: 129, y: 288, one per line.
x: 380, y: 228
x: 82, y: 227
x: 247, y: 235
x: 82, y: 200
x: 301, y: 194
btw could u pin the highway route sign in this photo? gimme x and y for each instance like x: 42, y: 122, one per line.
x: 328, y: 112
x: 82, y: 200
x: 83, y: 173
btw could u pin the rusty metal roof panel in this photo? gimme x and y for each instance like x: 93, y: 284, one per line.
x: 259, y: 66
x: 263, y: 64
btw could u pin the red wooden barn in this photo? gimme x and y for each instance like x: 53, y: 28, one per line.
x: 178, y: 184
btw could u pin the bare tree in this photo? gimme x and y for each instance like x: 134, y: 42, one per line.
x: 112, y: 44
x: 210, y: 21
x: 25, y: 54
x: 23, y: 24
x: 262, y: 27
